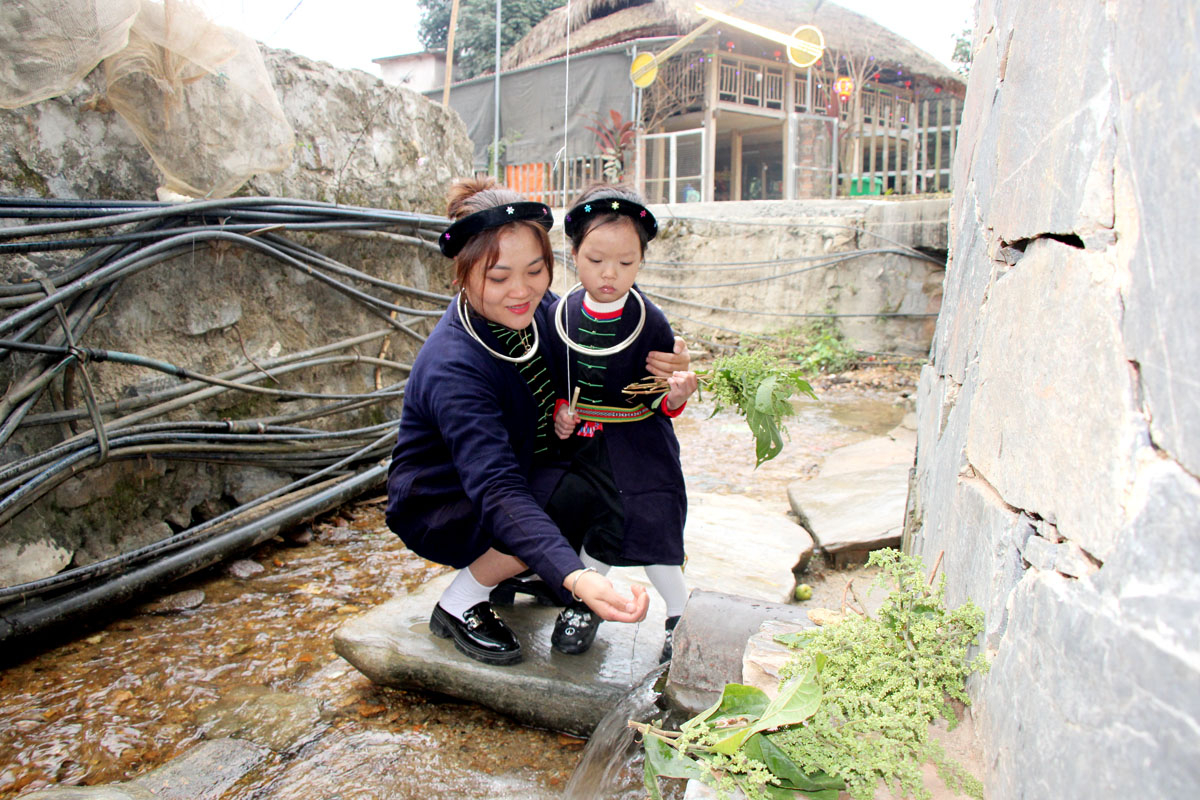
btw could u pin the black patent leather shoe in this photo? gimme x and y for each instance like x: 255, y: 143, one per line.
x: 575, y: 629
x: 480, y: 634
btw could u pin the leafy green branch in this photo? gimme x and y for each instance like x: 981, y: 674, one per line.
x: 755, y: 384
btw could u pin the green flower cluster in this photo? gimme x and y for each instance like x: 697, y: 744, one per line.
x: 854, y: 707
x: 884, y: 680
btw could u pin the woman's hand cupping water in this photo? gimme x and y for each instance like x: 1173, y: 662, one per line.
x: 602, y: 597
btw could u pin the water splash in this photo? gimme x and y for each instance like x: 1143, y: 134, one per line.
x: 611, y: 765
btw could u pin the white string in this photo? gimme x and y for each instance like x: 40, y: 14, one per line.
x: 565, y: 163
x: 566, y: 103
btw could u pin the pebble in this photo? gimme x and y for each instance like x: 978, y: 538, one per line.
x: 244, y: 568
x: 174, y: 603
x: 298, y: 537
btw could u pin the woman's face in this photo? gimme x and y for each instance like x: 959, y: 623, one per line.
x: 511, y: 289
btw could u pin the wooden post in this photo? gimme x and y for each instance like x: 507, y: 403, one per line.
x: 937, y: 156
x: 450, y: 55
x: 735, y: 163
x: 709, y: 162
x: 913, y: 132
x: 871, y: 158
x: 953, y: 140
x: 924, y: 145
x: 639, y: 172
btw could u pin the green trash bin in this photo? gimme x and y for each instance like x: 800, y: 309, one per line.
x: 865, y: 185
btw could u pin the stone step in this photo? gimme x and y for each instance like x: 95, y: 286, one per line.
x: 856, y: 503
x: 735, y: 545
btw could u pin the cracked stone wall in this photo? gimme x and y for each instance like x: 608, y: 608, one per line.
x: 1059, y: 423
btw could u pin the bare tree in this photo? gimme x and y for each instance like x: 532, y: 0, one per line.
x: 861, y: 67
x: 675, y: 90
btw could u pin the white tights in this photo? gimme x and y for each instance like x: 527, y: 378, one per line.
x: 666, y: 578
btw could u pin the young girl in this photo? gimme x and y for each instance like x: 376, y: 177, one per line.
x: 476, y: 418
x: 624, y: 491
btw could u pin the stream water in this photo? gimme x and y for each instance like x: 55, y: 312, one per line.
x: 122, y: 698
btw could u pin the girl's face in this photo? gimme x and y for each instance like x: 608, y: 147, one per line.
x: 608, y: 259
x: 509, y: 291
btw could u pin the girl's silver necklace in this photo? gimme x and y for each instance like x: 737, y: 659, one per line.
x: 560, y: 326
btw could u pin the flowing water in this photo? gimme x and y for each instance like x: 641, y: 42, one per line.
x: 122, y: 698
x: 611, y: 765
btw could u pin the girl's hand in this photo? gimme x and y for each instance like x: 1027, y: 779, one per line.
x: 565, y: 422
x: 598, y: 592
x: 663, y: 365
x: 683, y: 385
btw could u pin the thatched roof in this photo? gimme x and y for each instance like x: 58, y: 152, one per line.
x: 598, y: 23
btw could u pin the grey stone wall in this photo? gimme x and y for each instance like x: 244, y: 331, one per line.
x: 359, y: 142
x: 1059, y: 441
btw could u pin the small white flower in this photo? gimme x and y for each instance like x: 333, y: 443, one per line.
x: 510, y: 210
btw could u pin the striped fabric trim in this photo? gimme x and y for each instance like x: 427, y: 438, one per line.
x: 598, y: 413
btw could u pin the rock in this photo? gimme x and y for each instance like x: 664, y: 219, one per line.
x: 763, y: 656
x: 1159, y: 305
x: 254, y: 482
x: 824, y: 616
x: 740, y: 546
x: 116, y: 791
x: 175, y: 603
x: 205, y: 772
x: 1042, y: 394
x: 734, y: 544
x: 709, y: 642
x: 852, y: 513
x: 1039, y: 553
x: 278, y: 720
x: 857, y: 501
x: 298, y: 537
x: 21, y: 562
x: 392, y: 645
x: 244, y: 568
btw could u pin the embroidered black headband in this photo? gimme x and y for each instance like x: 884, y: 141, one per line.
x: 578, y: 216
x: 458, y: 234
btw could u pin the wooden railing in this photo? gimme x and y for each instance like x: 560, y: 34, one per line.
x: 541, y: 182
x: 902, y: 147
x: 750, y: 82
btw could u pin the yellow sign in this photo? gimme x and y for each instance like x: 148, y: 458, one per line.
x: 809, y: 55
x: 643, y: 70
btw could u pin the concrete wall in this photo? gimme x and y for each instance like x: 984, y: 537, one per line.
x: 791, y: 248
x: 1059, y: 439
x: 359, y: 142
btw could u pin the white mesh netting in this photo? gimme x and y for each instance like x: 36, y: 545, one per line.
x: 49, y: 45
x: 199, y: 98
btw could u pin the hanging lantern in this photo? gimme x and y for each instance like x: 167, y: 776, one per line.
x: 844, y: 86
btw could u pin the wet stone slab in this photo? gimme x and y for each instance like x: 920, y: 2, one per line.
x: 735, y: 545
x: 856, y: 504
x: 392, y: 646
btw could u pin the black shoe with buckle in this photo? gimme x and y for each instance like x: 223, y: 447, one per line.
x: 575, y: 629
x: 669, y: 645
x: 480, y: 634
